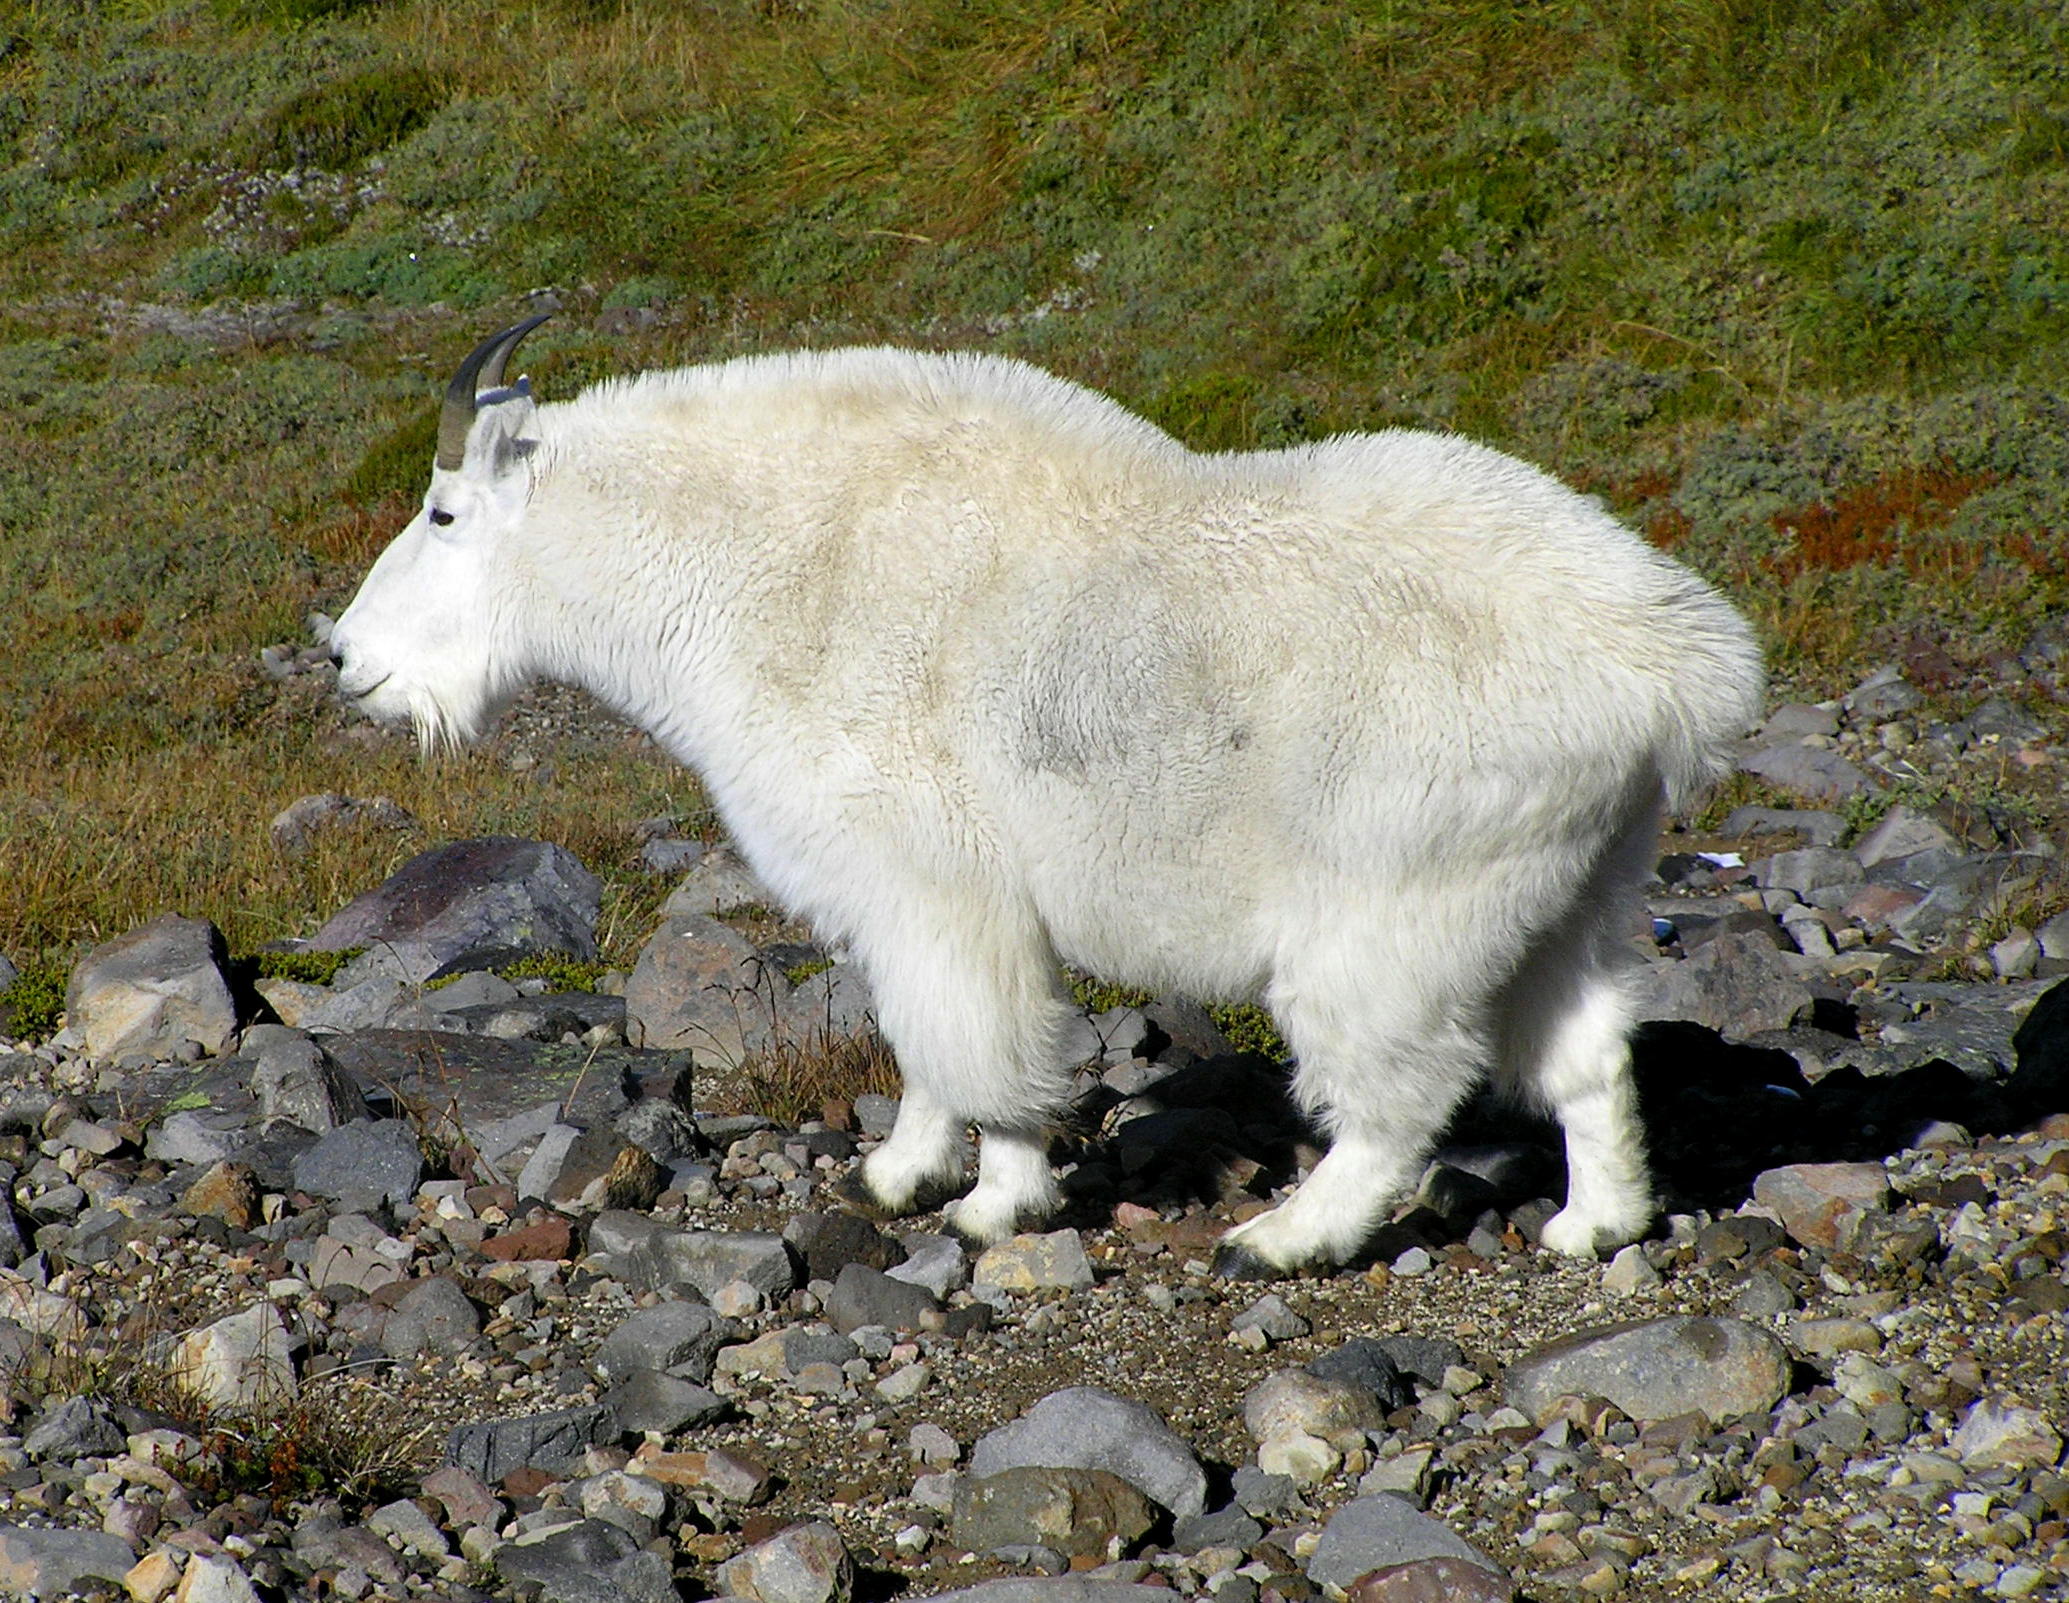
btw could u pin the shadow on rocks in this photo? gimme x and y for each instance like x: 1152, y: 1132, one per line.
x: 1717, y: 1113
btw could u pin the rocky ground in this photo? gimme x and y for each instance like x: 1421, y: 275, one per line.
x: 423, y: 1282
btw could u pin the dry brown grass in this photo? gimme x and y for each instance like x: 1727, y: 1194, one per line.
x: 98, y: 840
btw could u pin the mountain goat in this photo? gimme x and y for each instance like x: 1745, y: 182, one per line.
x: 986, y: 675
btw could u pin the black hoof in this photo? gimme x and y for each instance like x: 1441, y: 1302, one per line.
x: 1232, y: 1262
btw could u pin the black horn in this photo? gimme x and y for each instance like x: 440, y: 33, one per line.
x: 483, y: 370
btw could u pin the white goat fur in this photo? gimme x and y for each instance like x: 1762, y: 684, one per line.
x: 984, y: 674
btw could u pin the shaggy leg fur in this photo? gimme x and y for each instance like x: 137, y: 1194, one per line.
x: 1384, y: 1066
x: 972, y: 1005
x: 920, y: 1159
x: 1015, y: 1186
x: 1568, y: 1051
x: 1566, y: 1028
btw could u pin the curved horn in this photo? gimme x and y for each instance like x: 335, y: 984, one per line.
x: 483, y: 370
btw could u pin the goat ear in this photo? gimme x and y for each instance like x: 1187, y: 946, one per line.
x: 503, y: 431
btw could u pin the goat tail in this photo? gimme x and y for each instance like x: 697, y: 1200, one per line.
x: 1717, y: 685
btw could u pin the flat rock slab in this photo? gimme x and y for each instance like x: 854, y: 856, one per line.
x: 1656, y: 1369
x: 470, y: 904
x: 1372, y: 1533
x: 488, y: 1080
x: 363, y: 1165
x: 1810, y: 771
x: 1087, y: 1427
x: 1737, y: 985
x: 494, y: 1448
x: 36, y: 1562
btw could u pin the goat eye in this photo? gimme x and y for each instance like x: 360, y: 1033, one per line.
x: 440, y: 518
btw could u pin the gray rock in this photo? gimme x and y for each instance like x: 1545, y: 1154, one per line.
x: 1903, y: 832
x: 1226, y: 1527
x: 1883, y: 695
x: 1270, y: 1316
x: 529, y: 1018
x: 649, y: 1399
x: 1821, y: 1204
x: 1794, y: 720
x: 372, y: 1002
x: 497, y: 1139
x: 1656, y: 1369
x: 324, y: 1542
x: 39, y: 1562
x: 1762, y: 1297
x: 471, y: 904
x: 295, y: 827
x: 1367, y: 1364
x: 434, y: 1316
x: 864, y: 1296
x: 477, y: 988
x: 1427, y: 1358
x: 1054, y: 1261
x: 804, y: 1564
x: 702, y: 985
x: 1819, y: 828
x: 491, y: 1449
x: 590, y: 1561
x: 295, y: 1080
x: 936, y: 1262
x: 409, y: 1527
x: 148, y: 993
x: 1737, y: 985
x: 1078, y: 1512
x: 1087, y: 1427
x: 1296, y: 1400
x: 1995, y: 1433
x: 1975, y: 1039
x: 1809, y: 771
x: 680, y: 1337
x: 541, y: 1171
x: 835, y: 1002
x: 716, y: 882
x: 875, y: 1113
x: 239, y: 1362
x: 72, y: 1429
x: 215, y: 1578
x: 1371, y: 1533
x: 363, y: 1165
x: 1258, y: 1492
x: 1809, y: 870
x: 653, y: 1257
x: 661, y: 1130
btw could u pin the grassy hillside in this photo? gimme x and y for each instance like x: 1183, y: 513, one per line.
x: 1787, y: 283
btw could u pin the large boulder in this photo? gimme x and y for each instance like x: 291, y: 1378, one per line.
x: 1087, y: 1427
x: 1656, y: 1369
x: 702, y: 985
x: 470, y: 904
x: 148, y: 993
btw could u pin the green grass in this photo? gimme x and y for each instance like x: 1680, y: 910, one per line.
x: 1786, y: 283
